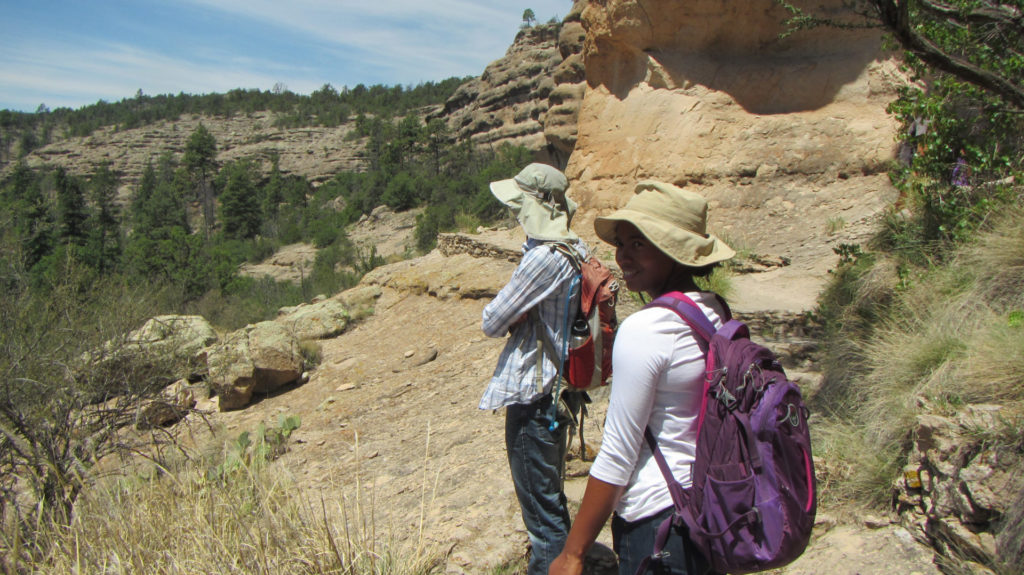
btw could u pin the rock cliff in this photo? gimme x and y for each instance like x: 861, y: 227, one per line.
x: 314, y: 152
x: 531, y: 96
x: 788, y: 139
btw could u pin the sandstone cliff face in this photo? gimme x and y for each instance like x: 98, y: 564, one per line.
x: 570, y: 85
x: 509, y: 101
x: 529, y: 97
x: 788, y: 139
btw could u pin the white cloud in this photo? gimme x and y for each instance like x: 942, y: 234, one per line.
x: 410, y: 37
x: 60, y: 75
x: 303, y: 43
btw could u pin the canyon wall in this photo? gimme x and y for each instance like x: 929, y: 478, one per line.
x: 787, y: 138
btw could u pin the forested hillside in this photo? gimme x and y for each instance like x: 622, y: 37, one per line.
x: 192, y: 219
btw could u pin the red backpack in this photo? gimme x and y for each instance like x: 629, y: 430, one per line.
x: 588, y: 359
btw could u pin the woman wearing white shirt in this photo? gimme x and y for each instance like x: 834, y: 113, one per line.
x: 661, y: 246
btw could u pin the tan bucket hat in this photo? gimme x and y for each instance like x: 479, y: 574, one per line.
x: 673, y: 219
x: 537, y: 197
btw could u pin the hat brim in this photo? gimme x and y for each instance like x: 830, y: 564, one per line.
x: 508, y: 193
x: 539, y: 220
x: 683, y: 246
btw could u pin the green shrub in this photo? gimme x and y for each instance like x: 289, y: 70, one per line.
x: 253, y: 451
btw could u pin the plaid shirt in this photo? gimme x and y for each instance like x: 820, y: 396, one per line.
x: 541, y: 280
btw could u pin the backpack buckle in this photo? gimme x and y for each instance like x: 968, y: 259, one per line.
x: 725, y: 397
x: 792, y: 415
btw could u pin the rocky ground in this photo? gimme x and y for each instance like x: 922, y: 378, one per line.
x: 390, y: 424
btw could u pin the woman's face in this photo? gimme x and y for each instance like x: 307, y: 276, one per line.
x: 644, y: 267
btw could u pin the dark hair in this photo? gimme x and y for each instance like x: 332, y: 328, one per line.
x: 702, y: 271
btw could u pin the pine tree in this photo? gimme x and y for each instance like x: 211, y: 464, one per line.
x: 104, y: 230
x: 71, y: 210
x: 201, y: 163
x: 272, y: 193
x: 239, y: 203
x: 35, y: 225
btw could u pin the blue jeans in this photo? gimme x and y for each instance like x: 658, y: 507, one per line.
x: 536, y: 457
x: 634, y: 541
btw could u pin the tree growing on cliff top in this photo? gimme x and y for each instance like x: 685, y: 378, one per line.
x: 529, y: 17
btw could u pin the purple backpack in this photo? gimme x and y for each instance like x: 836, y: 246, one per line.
x: 752, y: 503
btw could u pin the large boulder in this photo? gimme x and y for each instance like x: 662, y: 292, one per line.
x: 318, y: 320
x: 258, y: 358
x: 180, y: 335
x: 169, y: 406
x: 164, y: 349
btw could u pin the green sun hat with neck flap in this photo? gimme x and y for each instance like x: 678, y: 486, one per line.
x: 673, y: 219
x: 537, y: 197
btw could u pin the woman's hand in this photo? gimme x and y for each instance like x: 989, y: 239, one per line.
x: 599, y: 501
x: 566, y: 564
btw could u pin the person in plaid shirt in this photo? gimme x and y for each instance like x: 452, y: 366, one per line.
x: 539, y: 296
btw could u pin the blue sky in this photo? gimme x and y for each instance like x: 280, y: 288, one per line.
x: 71, y: 53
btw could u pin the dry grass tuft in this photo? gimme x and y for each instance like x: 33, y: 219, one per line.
x: 854, y: 469
x: 249, y: 520
x: 253, y: 523
x: 951, y: 337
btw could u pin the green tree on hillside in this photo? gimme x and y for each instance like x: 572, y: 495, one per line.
x: 240, y: 211
x: 401, y: 192
x: 529, y: 17
x: 71, y: 210
x: 103, y: 244
x: 32, y: 219
x: 272, y: 192
x: 159, y: 203
x: 161, y: 247
x: 437, y: 139
x: 201, y: 162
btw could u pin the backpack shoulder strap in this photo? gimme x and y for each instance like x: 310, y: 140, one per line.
x: 569, y: 252
x: 688, y: 311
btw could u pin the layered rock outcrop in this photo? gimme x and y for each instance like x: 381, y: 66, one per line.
x: 509, y: 101
x: 530, y: 97
x: 957, y: 490
x: 317, y: 153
